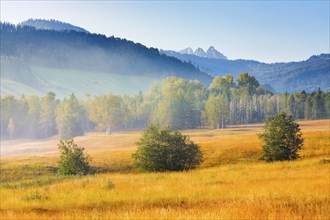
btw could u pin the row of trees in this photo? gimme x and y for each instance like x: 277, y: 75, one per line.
x: 178, y: 103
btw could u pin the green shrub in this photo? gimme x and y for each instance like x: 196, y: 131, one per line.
x: 282, y: 138
x: 110, y: 185
x: 161, y: 149
x: 72, y: 159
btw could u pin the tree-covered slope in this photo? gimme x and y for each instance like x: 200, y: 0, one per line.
x: 51, y: 25
x: 93, y: 54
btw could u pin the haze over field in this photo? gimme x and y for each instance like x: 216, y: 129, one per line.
x: 52, y: 68
x: 36, y: 61
x: 169, y: 110
x: 232, y: 44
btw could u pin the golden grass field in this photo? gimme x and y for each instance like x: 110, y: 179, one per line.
x: 230, y: 184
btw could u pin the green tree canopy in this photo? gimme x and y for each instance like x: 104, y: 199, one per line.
x: 216, y: 111
x: 72, y: 161
x: 180, y: 105
x: 282, y: 138
x: 161, y: 149
x: 244, y: 80
x: 69, y: 117
x: 108, y: 111
x: 221, y: 85
x: 47, y: 114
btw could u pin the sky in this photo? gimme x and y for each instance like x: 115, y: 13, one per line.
x: 267, y: 31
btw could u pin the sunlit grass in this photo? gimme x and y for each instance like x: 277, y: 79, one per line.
x: 230, y: 184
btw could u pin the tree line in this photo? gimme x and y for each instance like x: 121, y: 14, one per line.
x: 177, y: 103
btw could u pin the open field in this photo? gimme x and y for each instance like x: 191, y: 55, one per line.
x: 230, y: 184
x: 64, y: 82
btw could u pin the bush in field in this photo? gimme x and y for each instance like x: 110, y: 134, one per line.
x: 72, y: 161
x: 110, y: 185
x: 282, y: 138
x: 161, y: 149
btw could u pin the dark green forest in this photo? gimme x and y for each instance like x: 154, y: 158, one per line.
x: 178, y: 103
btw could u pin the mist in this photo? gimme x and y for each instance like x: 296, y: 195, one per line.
x: 68, y: 62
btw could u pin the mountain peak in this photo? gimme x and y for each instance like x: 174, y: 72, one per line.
x: 210, y: 53
x: 188, y: 50
x: 213, y: 53
x: 52, y: 25
x: 200, y: 52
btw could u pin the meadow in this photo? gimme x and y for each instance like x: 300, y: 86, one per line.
x: 231, y: 183
x: 64, y: 82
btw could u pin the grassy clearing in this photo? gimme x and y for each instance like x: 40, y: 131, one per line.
x: 230, y: 184
x: 64, y: 82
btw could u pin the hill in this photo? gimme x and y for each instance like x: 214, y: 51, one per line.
x: 83, y: 58
x: 305, y: 75
x: 52, y: 25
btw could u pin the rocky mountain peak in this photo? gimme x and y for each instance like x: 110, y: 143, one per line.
x: 200, y: 52
x: 188, y: 50
x: 210, y: 53
x: 213, y: 53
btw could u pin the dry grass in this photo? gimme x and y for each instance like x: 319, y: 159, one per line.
x: 230, y: 184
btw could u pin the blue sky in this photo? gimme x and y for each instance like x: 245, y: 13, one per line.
x: 271, y: 31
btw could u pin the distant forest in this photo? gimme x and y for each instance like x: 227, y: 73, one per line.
x: 178, y: 103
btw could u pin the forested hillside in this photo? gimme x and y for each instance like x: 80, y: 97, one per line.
x: 30, y: 48
x: 306, y: 75
x: 178, y: 103
x: 51, y: 25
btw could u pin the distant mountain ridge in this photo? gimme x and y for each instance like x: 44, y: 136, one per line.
x: 210, y: 53
x: 52, y: 25
x: 305, y: 75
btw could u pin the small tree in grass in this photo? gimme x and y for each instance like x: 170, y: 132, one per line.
x: 161, y: 149
x: 282, y: 138
x: 72, y: 159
